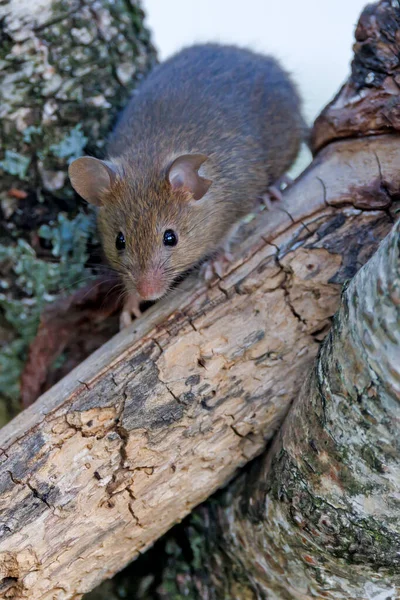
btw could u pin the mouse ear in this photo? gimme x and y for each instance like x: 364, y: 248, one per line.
x: 183, y: 175
x: 91, y: 177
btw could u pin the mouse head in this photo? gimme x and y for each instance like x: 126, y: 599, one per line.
x: 150, y: 228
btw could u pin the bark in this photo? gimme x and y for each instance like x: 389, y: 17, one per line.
x: 164, y: 414
x: 318, y: 515
x: 66, y: 68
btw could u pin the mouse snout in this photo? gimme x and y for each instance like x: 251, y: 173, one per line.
x: 150, y: 285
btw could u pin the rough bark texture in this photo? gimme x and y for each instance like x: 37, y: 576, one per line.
x: 318, y: 516
x: 164, y: 414
x: 66, y: 68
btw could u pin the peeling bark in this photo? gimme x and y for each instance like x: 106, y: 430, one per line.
x: 168, y: 411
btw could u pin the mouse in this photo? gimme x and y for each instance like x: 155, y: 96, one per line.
x: 203, y: 138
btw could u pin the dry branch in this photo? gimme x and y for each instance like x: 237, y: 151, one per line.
x: 165, y: 413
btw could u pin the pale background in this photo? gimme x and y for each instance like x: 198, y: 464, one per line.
x: 313, y: 38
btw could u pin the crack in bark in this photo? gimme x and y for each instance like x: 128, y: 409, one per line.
x: 190, y: 321
x: 221, y: 289
x: 84, y: 383
x: 323, y: 191
x: 34, y: 491
x: 173, y: 395
x: 286, y: 293
x: 288, y: 214
x: 124, y: 437
x: 236, y: 432
x: 157, y: 343
x: 122, y: 432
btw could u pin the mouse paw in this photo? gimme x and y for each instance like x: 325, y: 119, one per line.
x: 274, y: 191
x: 130, y: 309
x: 217, y: 266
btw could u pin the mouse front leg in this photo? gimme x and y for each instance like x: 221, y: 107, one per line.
x: 274, y: 191
x: 130, y: 309
x: 218, y: 265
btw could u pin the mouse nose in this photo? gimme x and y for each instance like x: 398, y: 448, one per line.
x: 150, y: 286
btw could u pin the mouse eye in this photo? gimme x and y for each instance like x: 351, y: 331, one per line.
x: 170, y: 238
x: 120, y: 242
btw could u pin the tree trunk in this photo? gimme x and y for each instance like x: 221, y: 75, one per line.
x: 65, y: 71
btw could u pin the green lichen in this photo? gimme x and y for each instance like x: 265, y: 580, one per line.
x: 30, y: 133
x: 72, y: 145
x: 15, y: 164
x: 11, y: 364
x: 371, y: 459
x: 69, y: 244
x: 72, y: 93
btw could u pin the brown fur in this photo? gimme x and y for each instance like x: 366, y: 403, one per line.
x: 238, y: 108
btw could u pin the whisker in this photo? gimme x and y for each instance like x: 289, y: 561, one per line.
x: 110, y: 291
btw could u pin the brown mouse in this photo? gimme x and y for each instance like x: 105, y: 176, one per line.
x: 206, y: 134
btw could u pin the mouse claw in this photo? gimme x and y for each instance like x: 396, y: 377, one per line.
x: 274, y: 191
x: 217, y: 266
x: 130, y: 309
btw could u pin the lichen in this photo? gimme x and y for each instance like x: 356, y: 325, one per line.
x: 51, y: 83
x: 31, y: 282
x: 15, y: 164
x: 72, y: 145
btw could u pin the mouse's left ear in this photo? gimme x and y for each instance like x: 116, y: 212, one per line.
x: 183, y: 175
